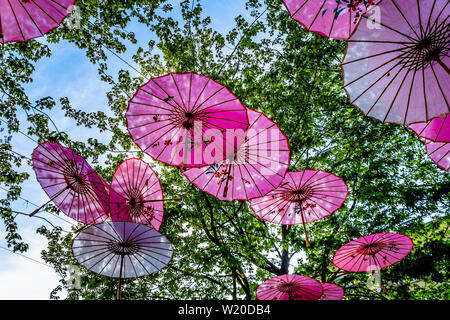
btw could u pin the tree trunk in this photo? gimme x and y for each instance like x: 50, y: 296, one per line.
x: 285, y: 253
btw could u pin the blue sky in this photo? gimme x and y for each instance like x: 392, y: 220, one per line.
x: 68, y: 73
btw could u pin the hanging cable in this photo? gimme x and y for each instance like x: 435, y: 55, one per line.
x: 27, y: 215
x: 29, y: 258
x: 35, y: 205
x: 239, y: 42
x: 31, y: 106
x: 118, y: 56
x: 24, y: 134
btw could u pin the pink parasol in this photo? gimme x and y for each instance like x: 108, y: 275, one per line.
x: 331, y: 292
x: 255, y: 166
x: 289, y: 287
x: 399, y: 73
x: 436, y: 130
x: 380, y: 250
x: 71, y: 183
x: 169, y: 117
x: 373, y: 252
x: 331, y: 18
x: 136, y: 194
x: 302, y: 197
x: 22, y: 20
x: 439, y: 152
x: 122, y: 250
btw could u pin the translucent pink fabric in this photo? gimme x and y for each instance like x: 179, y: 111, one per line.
x: 257, y: 166
x: 136, y: 194
x: 436, y: 130
x: 439, y: 152
x: 332, y: 292
x: 289, y: 287
x: 76, y: 189
x: 319, y: 16
x: 316, y: 193
x: 122, y: 249
x: 22, y: 20
x: 397, y: 73
x: 372, y: 252
x: 169, y: 117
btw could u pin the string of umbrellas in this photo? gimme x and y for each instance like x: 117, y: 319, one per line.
x: 395, y: 70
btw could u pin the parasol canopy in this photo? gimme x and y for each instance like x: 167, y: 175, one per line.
x: 255, y: 165
x: 379, y: 250
x: 331, y: 292
x: 439, y: 152
x: 331, y: 18
x: 399, y: 73
x: 304, y: 196
x: 22, y: 20
x: 436, y: 130
x: 122, y: 249
x: 289, y: 287
x: 136, y: 194
x: 71, y: 183
x: 169, y: 117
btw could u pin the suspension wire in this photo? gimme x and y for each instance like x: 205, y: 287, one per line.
x: 35, y: 205
x: 29, y: 258
x: 35, y: 216
x: 31, y: 106
x: 21, y: 132
x: 223, y: 65
x: 118, y: 56
x: 18, y: 154
x: 239, y: 42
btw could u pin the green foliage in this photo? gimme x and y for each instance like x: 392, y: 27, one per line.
x: 222, y: 250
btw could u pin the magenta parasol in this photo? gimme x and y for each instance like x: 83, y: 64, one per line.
x: 136, y: 194
x: 302, y: 197
x: 169, y: 116
x: 373, y: 252
x: 439, y: 152
x: 22, y: 20
x: 71, y: 183
x: 289, y: 287
x: 331, y: 18
x: 255, y: 166
x: 380, y: 250
x: 399, y: 73
x: 436, y: 130
x: 331, y: 292
x: 122, y: 250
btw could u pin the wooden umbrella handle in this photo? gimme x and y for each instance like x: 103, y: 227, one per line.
x: 225, y: 189
x: 51, y: 199
x: 304, y: 226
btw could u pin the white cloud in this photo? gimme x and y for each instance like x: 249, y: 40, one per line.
x: 24, y: 279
